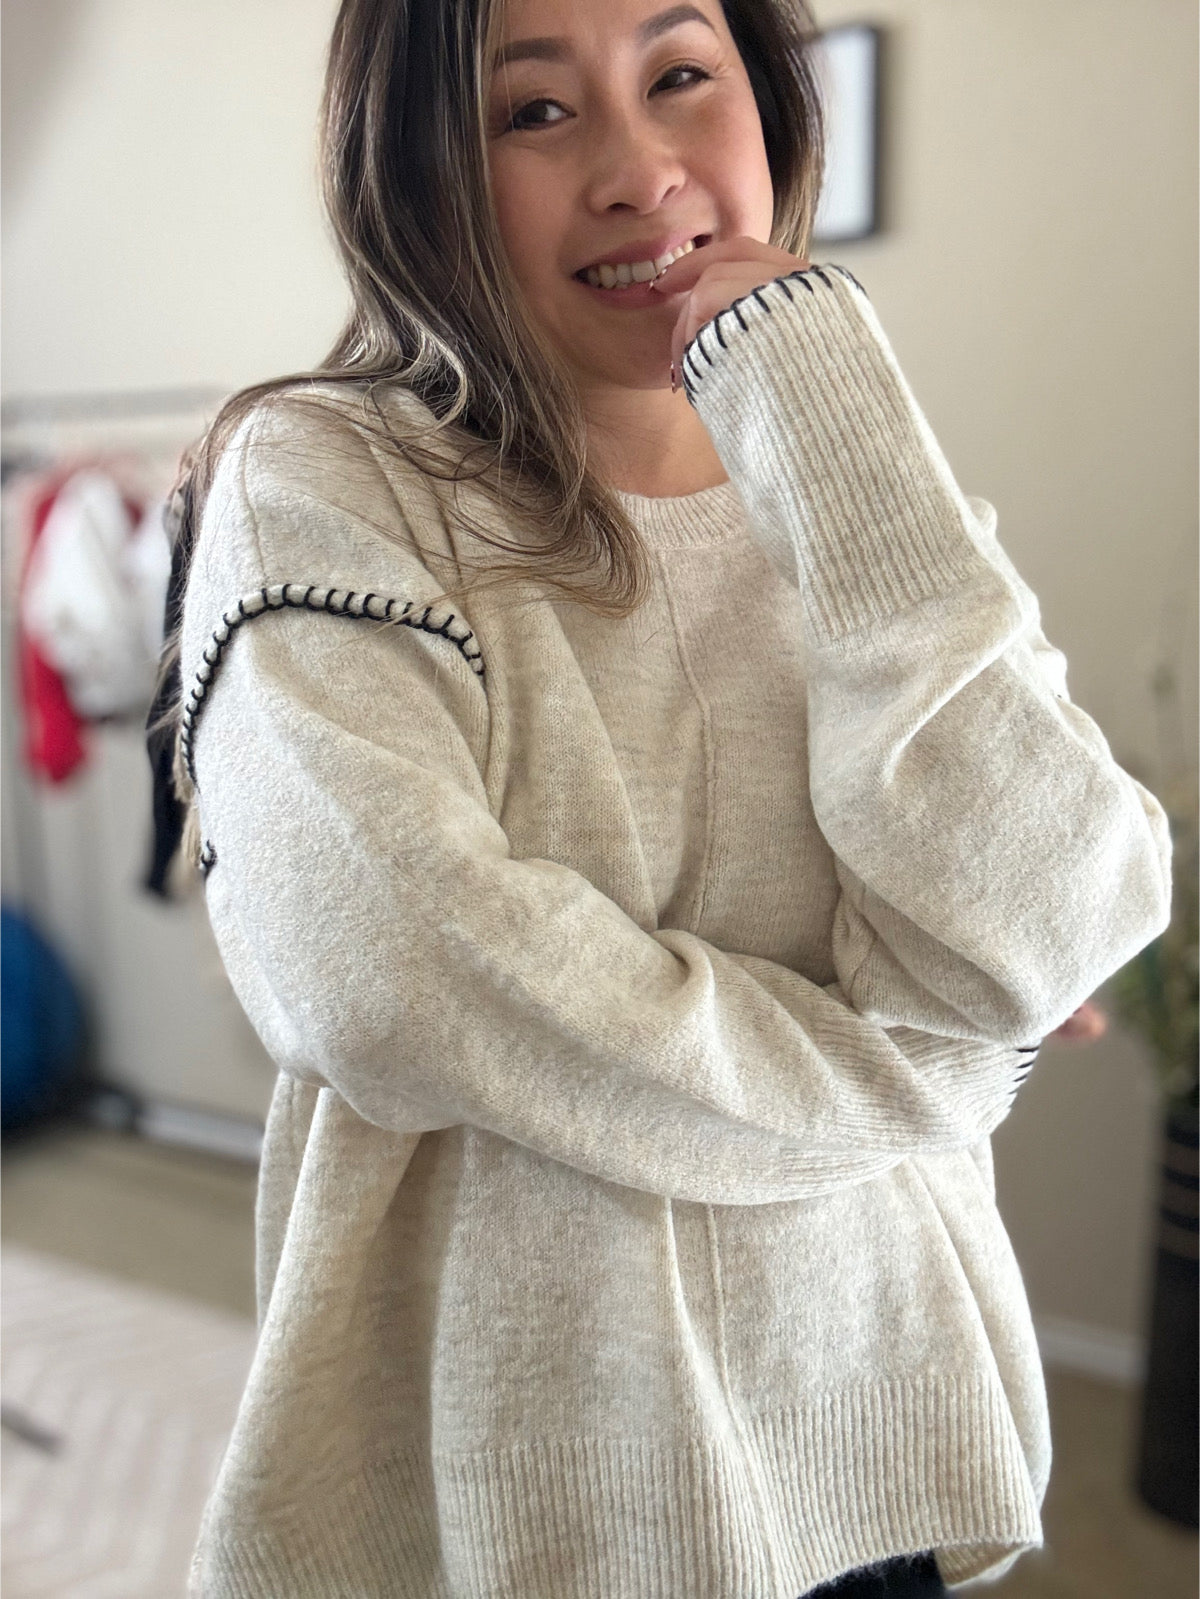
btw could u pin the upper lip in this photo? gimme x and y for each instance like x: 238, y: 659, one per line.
x: 641, y: 250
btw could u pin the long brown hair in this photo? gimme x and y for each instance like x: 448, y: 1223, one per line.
x: 437, y: 311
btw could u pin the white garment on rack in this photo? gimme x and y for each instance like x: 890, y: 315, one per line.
x: 94, y: 595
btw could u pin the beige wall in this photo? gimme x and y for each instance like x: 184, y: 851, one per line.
x: 161, y: 221
x: 1037, y: 277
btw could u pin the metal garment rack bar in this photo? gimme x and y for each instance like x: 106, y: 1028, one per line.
x: 23, y: 409
x: 35, y: 429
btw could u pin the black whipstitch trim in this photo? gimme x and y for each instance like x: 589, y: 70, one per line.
x: 208, y: 858
x: 1027, y: 1059
x: 691, y: 373
x: 295, y: 596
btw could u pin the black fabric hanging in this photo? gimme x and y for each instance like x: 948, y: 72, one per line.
x: 167, y: 809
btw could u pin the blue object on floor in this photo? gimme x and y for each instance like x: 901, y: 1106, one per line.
x: 41, y: 1024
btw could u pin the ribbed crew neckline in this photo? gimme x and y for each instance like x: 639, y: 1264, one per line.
x: 708, y: 516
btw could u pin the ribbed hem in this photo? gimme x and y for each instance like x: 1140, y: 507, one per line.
x: 838, y: 468
x: 710, y: 516
x: 849, y: 1478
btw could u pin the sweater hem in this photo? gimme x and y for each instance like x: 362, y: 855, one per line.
x: 846, y: 1479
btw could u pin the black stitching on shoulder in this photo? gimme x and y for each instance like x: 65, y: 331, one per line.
x: 716, y: 324
x: 208, y: 858
x: 736, y: 309
x: 280, y: 597
x: 820, y: 272
x: 757, y: 293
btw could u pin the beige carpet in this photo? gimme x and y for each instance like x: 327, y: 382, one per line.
x: 141, y: 1389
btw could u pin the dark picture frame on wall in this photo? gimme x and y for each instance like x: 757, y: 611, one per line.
x: 848, y: 66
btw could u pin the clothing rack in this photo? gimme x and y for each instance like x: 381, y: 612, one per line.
x: 36, y: 429
x: 72, y: 407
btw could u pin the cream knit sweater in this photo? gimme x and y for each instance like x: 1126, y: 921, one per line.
x: 644, y: 995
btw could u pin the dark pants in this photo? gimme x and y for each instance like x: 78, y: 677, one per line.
x: 907, y: 1577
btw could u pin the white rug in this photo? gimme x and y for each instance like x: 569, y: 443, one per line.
x: 142, y: 1389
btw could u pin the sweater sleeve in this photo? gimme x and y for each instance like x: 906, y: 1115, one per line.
x: 996, y: 864
x: 385, y: 943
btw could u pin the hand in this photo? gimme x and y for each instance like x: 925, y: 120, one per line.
x: 713, y: 276
x: 1083, y: 1026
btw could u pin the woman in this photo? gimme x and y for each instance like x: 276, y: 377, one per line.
x: 650, y: 929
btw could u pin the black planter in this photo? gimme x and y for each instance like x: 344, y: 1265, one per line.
x: 1170, y: 1421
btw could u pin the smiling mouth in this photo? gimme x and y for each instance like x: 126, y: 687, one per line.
x: 625, y: 274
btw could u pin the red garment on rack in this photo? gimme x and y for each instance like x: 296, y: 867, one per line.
x: 55, y: 746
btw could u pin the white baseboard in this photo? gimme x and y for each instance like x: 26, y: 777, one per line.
x: 166, y: 1122
x: 1094, y: 1351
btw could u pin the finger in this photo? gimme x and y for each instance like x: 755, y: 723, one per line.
x: 716, y: 281
x: 1094, y: 1020
x: 723, y: 283
x: 1083, y: 1026
x: 698, y: 308
x: 682, y: 274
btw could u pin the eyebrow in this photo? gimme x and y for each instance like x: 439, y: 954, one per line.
x: 553, y: 49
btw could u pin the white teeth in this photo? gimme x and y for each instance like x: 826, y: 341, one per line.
x: 627, y: 272
x: 664, y: 261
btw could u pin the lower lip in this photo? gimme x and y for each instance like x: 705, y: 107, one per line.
x: 635, y: 297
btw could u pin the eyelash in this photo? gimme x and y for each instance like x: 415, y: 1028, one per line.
x: 515, y: 126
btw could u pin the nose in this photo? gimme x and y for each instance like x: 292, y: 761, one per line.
x: 634, y: 166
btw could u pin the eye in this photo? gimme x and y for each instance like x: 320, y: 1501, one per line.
x: 527, y: 116
x: 696, y: 75
x: 520, y: 119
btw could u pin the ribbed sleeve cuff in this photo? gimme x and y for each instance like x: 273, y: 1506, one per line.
x: 837, y: 466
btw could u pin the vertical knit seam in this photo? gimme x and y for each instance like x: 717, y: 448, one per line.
x: 749, y: 1452
x: 700, y: 903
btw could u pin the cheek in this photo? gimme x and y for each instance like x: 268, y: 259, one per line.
x: 739, y: 170
x: 525, y: 218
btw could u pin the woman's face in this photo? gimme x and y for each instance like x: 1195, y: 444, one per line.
x: 619, y: 131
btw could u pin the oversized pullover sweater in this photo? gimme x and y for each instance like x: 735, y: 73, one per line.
x: 644, y: 994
